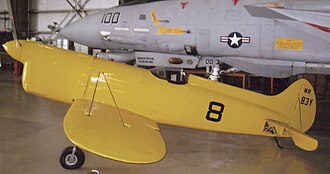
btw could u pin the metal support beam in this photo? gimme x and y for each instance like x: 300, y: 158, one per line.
x: 4, y: 12
x: 12, y: 19
x: 66, y: 11
x: 74, y: 8
x: 81, y: 6
x: 18, y: 14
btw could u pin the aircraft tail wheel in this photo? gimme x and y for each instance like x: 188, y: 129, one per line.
x: 72, y: 158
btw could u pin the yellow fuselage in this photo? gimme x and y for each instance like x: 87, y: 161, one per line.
x: 202, y: 104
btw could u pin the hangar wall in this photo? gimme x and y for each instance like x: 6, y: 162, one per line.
x: 45, y: 12
x: 4, y: 17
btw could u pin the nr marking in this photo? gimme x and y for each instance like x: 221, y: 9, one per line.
x: 307, y: 91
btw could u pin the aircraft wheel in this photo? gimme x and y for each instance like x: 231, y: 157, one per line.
x: 72, y: 158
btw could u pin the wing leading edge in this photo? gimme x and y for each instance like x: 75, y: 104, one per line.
x: 315, y: 18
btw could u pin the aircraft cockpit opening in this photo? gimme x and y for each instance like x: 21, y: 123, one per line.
x: 171, y: 75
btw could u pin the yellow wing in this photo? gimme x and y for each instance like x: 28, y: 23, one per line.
x: 103, y: 133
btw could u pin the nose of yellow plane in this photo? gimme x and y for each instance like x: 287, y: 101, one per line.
x: 14, y: 48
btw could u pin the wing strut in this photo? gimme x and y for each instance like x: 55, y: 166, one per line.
x: 93, y: 97
x: 113, y: 98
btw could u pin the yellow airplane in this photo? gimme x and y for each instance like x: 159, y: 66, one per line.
x: 115, y: 108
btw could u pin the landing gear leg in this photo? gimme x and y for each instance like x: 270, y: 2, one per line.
x: 215, y: 73
x: 72, y: 158
x: 273, y: 130
x: 278, y: 144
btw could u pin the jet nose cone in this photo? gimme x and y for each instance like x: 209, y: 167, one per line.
x: 14, y: 48
x: 85, y: 31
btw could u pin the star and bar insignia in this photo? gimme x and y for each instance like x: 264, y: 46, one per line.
x: 235, y: 39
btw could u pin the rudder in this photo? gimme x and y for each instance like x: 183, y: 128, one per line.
x: 302, y: 94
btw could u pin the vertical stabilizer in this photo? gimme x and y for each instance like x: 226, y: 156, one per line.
x: 302, y: 95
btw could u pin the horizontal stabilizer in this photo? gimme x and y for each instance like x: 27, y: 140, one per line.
x: 137, y: 140
x: 299, y: 138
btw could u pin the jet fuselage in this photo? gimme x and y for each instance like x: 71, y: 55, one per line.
x: 199, y: 27
x: 273, y: 45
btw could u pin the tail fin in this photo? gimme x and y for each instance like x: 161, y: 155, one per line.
x: 302, y: 95
x: 302, y: 98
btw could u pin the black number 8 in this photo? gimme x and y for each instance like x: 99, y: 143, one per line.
x: 213, y: 111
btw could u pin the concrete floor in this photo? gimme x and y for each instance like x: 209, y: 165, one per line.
x: 32, y: 138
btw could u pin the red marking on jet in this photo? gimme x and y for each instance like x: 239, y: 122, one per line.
x: 323, y: 28
x: 235, y: 2
x: 184, y: 4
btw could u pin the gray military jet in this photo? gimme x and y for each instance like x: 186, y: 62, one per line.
x: 264, y: 37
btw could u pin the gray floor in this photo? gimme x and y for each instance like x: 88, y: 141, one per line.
x: 32, y: 138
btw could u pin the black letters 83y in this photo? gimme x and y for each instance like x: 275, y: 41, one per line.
x: 215, y: 111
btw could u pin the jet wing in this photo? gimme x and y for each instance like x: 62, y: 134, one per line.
x: 114, y: 133
x: 313, y: 17
x: 305, y: 5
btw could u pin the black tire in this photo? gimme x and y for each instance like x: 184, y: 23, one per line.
x: 70, y: 161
